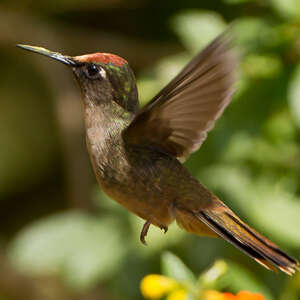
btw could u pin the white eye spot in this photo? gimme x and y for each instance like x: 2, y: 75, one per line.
x: 102, y: 72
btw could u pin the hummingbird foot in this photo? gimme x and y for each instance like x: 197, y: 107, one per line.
x: 164, y: 228
x: 144, y: 232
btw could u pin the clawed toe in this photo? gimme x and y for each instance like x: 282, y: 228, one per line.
x: 144, y: 232
x: 164, y: 228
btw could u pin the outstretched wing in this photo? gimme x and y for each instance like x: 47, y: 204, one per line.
x: 178, y: 118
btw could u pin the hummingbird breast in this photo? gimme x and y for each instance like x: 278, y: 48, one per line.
x: 143, y: 179
x: 132, y: 176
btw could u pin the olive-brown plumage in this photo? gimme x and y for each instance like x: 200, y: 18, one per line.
x: 137, y: 153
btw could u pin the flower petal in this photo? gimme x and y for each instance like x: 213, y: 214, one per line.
x: 154, y: 286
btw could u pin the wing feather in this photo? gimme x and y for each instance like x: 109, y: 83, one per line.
x: 178, y: 118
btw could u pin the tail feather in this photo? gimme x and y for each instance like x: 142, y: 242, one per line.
x: 221, y: 221
x: 235, y: 231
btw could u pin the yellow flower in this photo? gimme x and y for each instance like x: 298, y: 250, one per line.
x: 178, y: 295
x: 154, y: 286
x: 213, y: 295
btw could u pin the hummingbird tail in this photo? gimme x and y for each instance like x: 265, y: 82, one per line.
x: 230, y: 227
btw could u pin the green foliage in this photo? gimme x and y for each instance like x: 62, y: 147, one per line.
x: 220, y: 276
x: 294, y: 95
x: 79, y: 248
x: 173, y: 267
x: 287, y: 9
x: 196, y: 29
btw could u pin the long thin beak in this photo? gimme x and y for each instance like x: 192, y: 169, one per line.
x: 62, y: 58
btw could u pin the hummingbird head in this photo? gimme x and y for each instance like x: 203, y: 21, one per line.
x: 102, y: 77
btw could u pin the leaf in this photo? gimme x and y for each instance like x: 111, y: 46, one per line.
x: 212, y: 278
x: 262, y: 66
x: 289, y: 9
x: 278, y: 214
x: 294, y: 95
x: 266, y: 154
x: 80, y: 248
x: 173, y: 267
x: 253, y: 33
x: 197, y: 28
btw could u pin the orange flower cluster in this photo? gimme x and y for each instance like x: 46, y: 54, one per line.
x: 243, y: 295
x: 156, y: 286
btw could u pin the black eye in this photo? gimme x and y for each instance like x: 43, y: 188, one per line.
x: 92, y: 71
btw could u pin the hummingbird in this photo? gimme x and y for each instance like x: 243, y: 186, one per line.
x: 137, y: 153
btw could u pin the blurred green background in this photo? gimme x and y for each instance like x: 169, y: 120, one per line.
x: 61, y: 238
